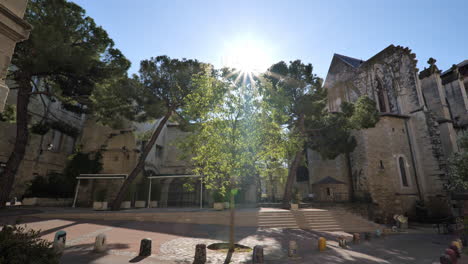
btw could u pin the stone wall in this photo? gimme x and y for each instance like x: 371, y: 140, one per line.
x: 13, y: 29
x: 44, y: 154
x: 405, y: 130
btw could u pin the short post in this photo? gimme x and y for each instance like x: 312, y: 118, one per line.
x: 378, y: 233
x: 257, y: 256
x: 322, y: 244
x: 342, y: 242
x: 356, y: 238
x: 100, y: 245
x: 145, y: 247
x: 200, y: 254
x: 292, y: 252
x: 59, y: 242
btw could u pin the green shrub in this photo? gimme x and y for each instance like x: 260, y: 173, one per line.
x: 218, y: 197
x: 54, y: 185
x: 20, y: 246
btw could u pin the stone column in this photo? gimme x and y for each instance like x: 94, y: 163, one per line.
x: 13, y: 29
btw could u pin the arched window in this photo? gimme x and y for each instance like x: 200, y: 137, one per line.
x: 381, y: 97
x: 404, y: 178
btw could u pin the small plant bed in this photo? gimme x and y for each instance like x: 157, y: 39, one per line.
x: 224, y: 247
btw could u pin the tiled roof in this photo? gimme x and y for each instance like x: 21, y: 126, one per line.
x: 329, y: 180
x: 351, y: 61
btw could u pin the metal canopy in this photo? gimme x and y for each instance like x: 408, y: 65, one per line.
x: 169, y: 176
x: 96, y: 177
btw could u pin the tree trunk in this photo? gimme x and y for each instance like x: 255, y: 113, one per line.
x: 294, y: 165
x: 231, y: 229
x: 141, y: 163
x: 22, y: 135
x: 350, y: 175
x: 287, y: 197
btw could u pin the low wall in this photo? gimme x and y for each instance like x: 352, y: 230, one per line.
x: 59, y: 202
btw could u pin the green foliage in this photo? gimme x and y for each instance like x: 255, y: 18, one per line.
x: 8, y: 114
x: 218, y: 197
x: 42, y: 128
x: 458, y: 167
x: 54, y: 185
x: 234, y: 138
x: 67, y: 49
x: 82, y: 163
x: 19, y: 245
x: 100, y: 195
x: 330, y: 134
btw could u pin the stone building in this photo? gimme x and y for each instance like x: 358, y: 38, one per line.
x: 13, y: 29
x: 46, y: 152
x: 403, y: 159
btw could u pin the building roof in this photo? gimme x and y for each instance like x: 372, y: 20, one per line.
x: 459, y: 65
x: 329, y: 180
x: 353, y: 62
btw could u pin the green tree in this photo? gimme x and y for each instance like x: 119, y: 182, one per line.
x: 297, y: 95
x: 169, y: 83
x: 70, y: 54
x: 235, y: 139
x: 331, y: 134
x: 458, y: 167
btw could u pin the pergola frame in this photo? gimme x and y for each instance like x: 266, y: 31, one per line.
x: 169, y: 176
x: 124, y: 176
x: 96, y: 177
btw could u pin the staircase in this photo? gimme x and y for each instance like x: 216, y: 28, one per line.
x: 277, y: 218
x: 316, y: 219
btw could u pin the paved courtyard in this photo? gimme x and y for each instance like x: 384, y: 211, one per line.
x: 175, y: 242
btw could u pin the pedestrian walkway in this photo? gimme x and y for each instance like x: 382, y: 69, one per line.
x: 313, y: 219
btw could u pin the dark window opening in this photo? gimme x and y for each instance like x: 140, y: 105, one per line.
x: 302, y: 174
x: 404, y: 179
x: 381, y: 98
x: 328, y: 191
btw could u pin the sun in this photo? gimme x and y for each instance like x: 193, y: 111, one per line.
x: 247, y: 55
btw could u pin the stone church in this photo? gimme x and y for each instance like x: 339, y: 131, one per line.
x: 403, y: 159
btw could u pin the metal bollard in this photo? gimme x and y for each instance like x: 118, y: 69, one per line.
x: 342, y: 242
x: 322, y: 244
x: 356, y: 238
x: 378, y: 233
x: 145, y: 247
x: 200, y: 254
x: 257, y: 256
x: 292, y: 252
x: 100, y: 244
x: 59, y: 241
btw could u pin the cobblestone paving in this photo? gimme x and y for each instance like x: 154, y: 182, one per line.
x: 183, y: 249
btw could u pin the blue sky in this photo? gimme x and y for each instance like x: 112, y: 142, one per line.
x: 285, y: 30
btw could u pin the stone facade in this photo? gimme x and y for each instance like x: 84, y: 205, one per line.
x: 13, y: 29
x: 46, y: 153
x: 403, y: 158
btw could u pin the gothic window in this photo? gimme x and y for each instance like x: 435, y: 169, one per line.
x: 382, y: 98
x: 302, y: 174
x: 401, y: 165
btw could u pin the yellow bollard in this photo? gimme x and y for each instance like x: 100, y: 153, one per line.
x: 322, y: 244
